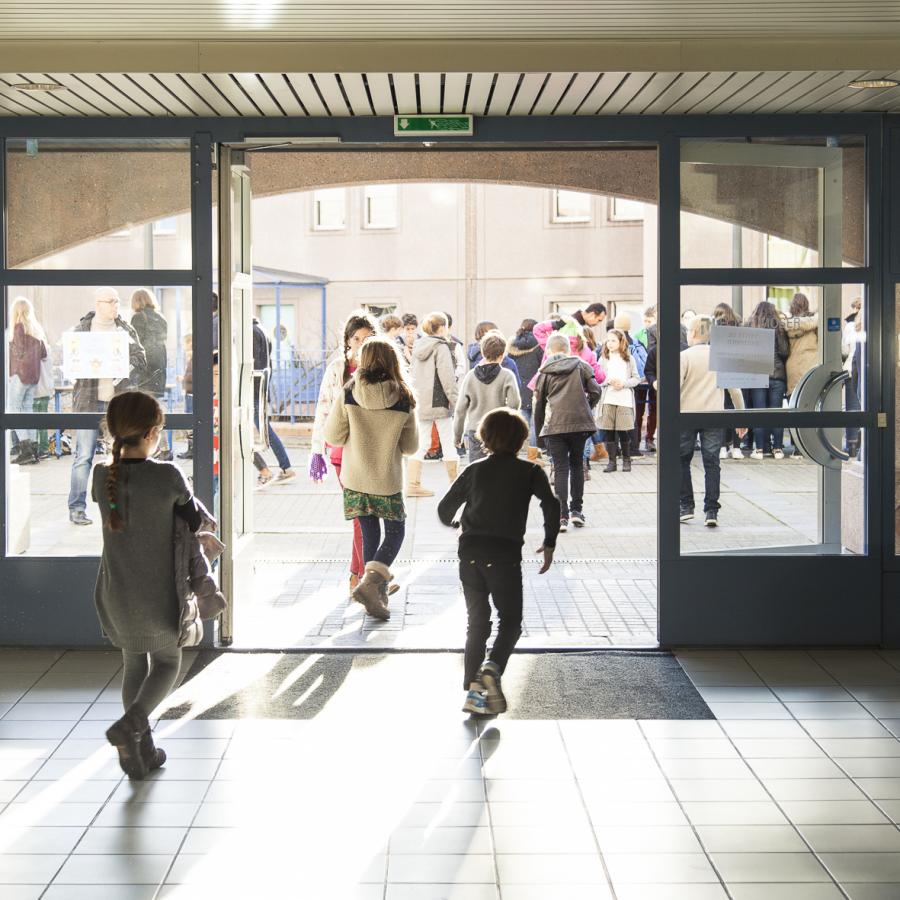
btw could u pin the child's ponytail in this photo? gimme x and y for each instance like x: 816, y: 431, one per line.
x: 115, y: 522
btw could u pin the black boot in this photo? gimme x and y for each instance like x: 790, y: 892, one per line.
x: 154, y: 757
x: 626, y: 451
x: 28, y: 454
x: 125, y: 735
x: 611, y: 463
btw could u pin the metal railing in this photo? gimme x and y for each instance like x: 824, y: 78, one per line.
x: 294, y: 385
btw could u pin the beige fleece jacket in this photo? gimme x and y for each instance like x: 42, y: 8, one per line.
x: 376, y: 428
x: 698, y: 383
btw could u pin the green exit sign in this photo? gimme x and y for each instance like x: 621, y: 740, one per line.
x: 424, y: 126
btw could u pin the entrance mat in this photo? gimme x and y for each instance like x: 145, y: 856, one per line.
x: 575, y: 685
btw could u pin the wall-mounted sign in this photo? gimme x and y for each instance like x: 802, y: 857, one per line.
x: 834, y: 323
x: 95, y: 354
x: 736, y: 349
x: 431, y: 126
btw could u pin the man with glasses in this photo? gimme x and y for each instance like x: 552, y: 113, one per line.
x: 92, y: 395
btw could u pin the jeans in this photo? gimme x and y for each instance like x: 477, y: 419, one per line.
x: 20, y: 399
x: 852, y: 404
x: 591, y: 442
x: 374, y: 548
x: 729, y: 435
x: 148, y: 678
x: 284, y: 461
x: 567, y: 453
x: 475, y: 447
x: 85, y: 448
x: 772, y: 397
x: 528, y: 415
x: 710, y: 444
x: 482, y: 582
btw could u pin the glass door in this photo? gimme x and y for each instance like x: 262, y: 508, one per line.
x: 236, y: 383
x: 767, y: 497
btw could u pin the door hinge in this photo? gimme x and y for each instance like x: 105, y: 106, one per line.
x: 882, y: 420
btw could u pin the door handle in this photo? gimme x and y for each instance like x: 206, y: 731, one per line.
x: 837, y: 379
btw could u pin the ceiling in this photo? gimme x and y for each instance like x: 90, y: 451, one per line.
x: 446, y: 19
x: 479, y: 93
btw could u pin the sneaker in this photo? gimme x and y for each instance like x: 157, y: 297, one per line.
x: 438, y: 454
x: 712, y: 518
x: 188, y: 454
x: 489, y: 676
x: 777, y: 453
x: 263, y: 480
x: 687, y: 513
x: 285, y: 475
x: 163, y: 455
x: 756, y: 454
x: 563, y: 525
x: 77, y: 517
x: 723, y: 453
x: 796, y: 454
x: 576, y: 517
x: 476, y: 703
x: 650, y: 446
x: 737, y: 453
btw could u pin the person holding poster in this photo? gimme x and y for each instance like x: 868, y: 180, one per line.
x: 99, y: 370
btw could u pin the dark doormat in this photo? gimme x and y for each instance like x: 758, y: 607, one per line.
x: 578, y: 685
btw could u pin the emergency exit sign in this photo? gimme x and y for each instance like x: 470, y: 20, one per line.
x: 429, y: 126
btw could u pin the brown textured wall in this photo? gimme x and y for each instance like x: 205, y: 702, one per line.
x: 57, y: 200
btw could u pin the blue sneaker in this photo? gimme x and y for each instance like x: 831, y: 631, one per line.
x: 476, y: 703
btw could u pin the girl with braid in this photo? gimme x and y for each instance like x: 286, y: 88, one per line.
x: 135, y: 595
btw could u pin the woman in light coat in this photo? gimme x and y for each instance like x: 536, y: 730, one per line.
x: 802, y: 328
x: 433, y: 375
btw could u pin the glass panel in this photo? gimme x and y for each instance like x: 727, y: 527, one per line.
x: 98, y: 204
x: 794, y: 504
x: 793, y: 317
x: 764, y: 203
x: 40, y: 495
x: 62, y: 334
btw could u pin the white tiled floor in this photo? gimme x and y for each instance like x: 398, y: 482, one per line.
x: 792, y: 793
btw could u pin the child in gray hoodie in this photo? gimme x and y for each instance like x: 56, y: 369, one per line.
x: 485, y: 388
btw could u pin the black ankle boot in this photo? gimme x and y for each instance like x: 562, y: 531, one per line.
x: 125, y: 735
x: 153, y: 756
x: 611, y: 463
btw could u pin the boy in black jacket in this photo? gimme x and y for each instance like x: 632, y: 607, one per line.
x: 496, y: 492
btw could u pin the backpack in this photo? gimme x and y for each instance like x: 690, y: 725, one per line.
x: 639, y: 354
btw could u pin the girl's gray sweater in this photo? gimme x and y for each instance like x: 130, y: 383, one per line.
x: 135, y: 593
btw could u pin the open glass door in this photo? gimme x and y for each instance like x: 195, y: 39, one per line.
x: 236, y: 383
x: 771, y: 230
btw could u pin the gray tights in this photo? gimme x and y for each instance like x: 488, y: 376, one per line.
x: 149, y: 677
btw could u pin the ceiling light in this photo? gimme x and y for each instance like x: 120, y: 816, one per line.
x: 38, y: 86
x: 873, y: 83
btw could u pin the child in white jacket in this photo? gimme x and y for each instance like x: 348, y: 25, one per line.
x: 617, y: 401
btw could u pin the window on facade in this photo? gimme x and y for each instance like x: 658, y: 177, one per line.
x: 330, y: 209
x: 622, y: 210
x: 379, y: 308
x: 571, y: 206
x: 379, y: 206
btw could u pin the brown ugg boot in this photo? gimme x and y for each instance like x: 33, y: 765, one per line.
x: 414, y: 480
x: 371, y: 592
x: 598, y: 453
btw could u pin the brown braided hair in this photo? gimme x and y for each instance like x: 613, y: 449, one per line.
x: 353, y: 324
x: 129, y: 417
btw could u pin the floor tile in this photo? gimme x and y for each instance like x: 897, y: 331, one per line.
x: 880, y: 788
x: 440, y: 892
x: 101, y: 841
x: 705, y: 768
x: 624, y: 813
x: 796, y: 768
x: 833, y: 812
x: 769, y: 867
x: 41, y: 712
x: 670, y: 892
x: 860, y: 746
x: 852, y: 838
x: 875, y: 867
x: 669, y: 728
x: 556, y: 892
x: 444, y: 839
x: 442, y: 869
x: 539, y: 868
x: 813, y: 789
x: 867, y: 767
x: 750, y: 711
x: 872, y: 891
x: 750, y: 839
x: 844, y: 728
x: 715, y: 790
x: 742, y: 813
x: 659, y: 868
x: 840, y: 710
x: 777, y: 748
x: 647, y: 839
x: 50, y: 815
x: 100, y: 892
x: 32, y: 868
x: 40, y: 839
x: 114, y: 869
x: 785, y: 892
x: 146, y: 815
x: 761, y: 728
x: 422, y: 815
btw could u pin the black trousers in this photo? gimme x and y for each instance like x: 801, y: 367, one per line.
x: 482, y: 582
x: 567, y: 453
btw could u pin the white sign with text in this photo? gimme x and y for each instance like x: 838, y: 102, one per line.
x: 736, y: 349
x: 95, y: 354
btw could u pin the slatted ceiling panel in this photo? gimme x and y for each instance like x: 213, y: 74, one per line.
x: 504, y: 90
x: 454, y: 91
x: 784, y: 99
x: 127, y: 87
x: 479, y: 89
x: 845, y: 99
x: 405, y: 92
x: 833, y: 92
x: 256, y: 91
x: 184, y: 95
x: 380, y: 89
x: 101, y: 87
x: 282, y: 93
x: 652, y: 87
x: 74, y: 98
x: 757, y: 85
x: 331, y: 94
x: 581, y: 87
x: 58, y: 103
x: 553, y: 92
x: 882, y: 101
x: 307, y: 94
x: 233, y: 94
x: 75, y: 85
x: 21, y: 101
x: 787, y: 82
x: 726, y: 90
x: 531, y: 85
x: 356, y: 93
x: 601, y: 92
x: 174, y: 102
x: 430, y: 92
x: 682, y: 83
x: 198, y: 84
x: 626, y: 92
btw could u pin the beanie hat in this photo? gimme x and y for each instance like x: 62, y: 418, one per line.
x: 623, y: 322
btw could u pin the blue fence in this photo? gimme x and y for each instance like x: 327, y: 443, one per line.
x: 294, y: 385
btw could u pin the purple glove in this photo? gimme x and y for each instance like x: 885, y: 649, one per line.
x: 318, y: 468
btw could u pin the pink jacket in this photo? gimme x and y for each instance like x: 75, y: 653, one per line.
x: 542, y: 332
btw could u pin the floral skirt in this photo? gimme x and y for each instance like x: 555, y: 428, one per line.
x: 390, y: 507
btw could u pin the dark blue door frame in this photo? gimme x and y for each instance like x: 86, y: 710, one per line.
x: 47, y: 601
